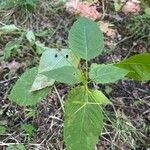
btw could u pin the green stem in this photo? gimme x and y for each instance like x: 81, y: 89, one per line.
x: 84, y: 76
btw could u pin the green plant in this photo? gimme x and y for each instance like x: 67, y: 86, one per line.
x: 125, y: 132
x: 16, y: 147
x: 139, y: 27
x: 145, y: 3
x: 21, y: 36
x: 29, y: 129
x: 139, y: 24
x: 117, y: 5
x: 2, y: 130
x: 27, y: 5
x: 83, y: 111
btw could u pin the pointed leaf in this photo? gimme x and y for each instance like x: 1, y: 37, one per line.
x: 21, y: 93
x: 83, y: 119
x: 106, y: 73
x: 86, y: 39
x: 60, y: 65
x: 138, y: 65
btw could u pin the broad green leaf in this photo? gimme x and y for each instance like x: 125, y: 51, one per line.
x: 8, y: 29
x: 30, y: 37
x: 86, y: 39
x: 21, y: 93
x: 83, y: 118
x: 106, y: 73
x: 64, y: 75
x: 41, y: 82
x: 138, y: 65
x: 11, y: 48
x: 60, y: 65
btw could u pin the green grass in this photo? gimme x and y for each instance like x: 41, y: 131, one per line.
x: 27, y: 5
x: 123, y: 131
x: 139, y: 26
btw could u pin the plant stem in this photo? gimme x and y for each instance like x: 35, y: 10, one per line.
x: 86, y: 73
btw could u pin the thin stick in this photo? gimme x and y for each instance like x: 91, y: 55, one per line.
x: 5, y: 81
x: 7, y: 144
x: 60, y: 99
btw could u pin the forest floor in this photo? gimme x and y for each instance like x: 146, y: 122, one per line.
x: 130, y: 116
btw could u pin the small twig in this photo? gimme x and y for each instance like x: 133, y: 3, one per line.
x: 2, y: 23
x: 124, y: 39
x: 53, y: 117
x: 60, y: 99
x: 103, y: 8
x: 7, y: 144
x: 2, y: 82
x: 56, y: 29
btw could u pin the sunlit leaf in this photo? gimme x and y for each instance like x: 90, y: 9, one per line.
x: 86, y: 39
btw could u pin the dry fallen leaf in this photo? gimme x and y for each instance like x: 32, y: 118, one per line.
x: 106, y: 28
x: 83, y: 8
x: 111, y: 33
x: 12, y: 66
x: 110, y: 43
x: 131, y: 6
